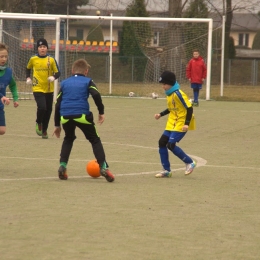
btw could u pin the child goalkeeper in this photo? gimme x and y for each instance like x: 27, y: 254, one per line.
x: 45, y: 71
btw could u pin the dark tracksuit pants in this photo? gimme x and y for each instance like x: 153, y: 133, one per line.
x: 89, y: 130
x: 44, y: 103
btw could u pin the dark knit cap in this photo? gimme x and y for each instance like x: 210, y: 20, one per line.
x: 42, y: 42
x: 167, y: 77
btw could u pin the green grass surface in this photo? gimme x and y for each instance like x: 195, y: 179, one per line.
x: 211, y: 214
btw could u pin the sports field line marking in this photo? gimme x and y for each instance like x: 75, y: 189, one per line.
x: 255, y: 111
x: 232, y: 167
x: 86, y: 176
x: 200, y: 162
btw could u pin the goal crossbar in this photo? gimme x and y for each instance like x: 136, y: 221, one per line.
x: 58, y: 18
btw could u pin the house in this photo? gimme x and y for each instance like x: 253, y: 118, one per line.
x: 79, y: 29
x: 243, y: 29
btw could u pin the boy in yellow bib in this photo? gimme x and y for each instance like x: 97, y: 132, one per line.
x: 45, y: 70
x: 180, y: 120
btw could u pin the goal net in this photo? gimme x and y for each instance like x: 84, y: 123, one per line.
x: 126, y: 54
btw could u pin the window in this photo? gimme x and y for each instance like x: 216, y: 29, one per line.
x: 243, y: 39
x: 156, y: 39
x: 80, y: 34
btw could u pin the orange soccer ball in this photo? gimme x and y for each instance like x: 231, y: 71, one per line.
x: 93, y: 169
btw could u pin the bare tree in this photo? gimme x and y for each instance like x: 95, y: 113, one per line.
x: 33, y: 5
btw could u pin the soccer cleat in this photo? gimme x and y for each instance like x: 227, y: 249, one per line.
x: 44, y: 135
x: 38, y: 129
x: 107, y: 174
x: 190, y: 167
x: 163, y: 174
x: 62, y: 171
x: 195, y: 104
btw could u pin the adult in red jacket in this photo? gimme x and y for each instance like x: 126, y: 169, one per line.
x: 196, y: 73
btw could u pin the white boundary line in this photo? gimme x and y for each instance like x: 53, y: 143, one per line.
x: 200, y: 162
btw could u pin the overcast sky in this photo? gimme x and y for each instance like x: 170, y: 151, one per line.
x: 162, y: 5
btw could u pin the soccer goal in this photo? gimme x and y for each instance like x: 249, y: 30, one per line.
x: 130, y: 56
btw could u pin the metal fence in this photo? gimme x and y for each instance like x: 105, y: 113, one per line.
x: 238, y: 71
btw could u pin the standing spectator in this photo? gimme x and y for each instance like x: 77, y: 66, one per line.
x: 6, y: 79
x: 196, y: 73
x: 45, y: 71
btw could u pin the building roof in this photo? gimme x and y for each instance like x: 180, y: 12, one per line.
x: 240, y: 22
x: 245, y: 22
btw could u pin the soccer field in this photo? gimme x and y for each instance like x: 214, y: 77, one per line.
x: 211, y: 214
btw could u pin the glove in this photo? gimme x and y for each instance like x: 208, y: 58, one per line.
x: 51, y: 79
x: 28, y: 81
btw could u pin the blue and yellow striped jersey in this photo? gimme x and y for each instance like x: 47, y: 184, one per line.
x: 177, y: 104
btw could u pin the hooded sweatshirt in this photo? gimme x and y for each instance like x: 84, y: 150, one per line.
x: 196, y: 70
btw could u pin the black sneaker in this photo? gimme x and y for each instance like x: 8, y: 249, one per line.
x: 107, y: 174
x: 63, y: 173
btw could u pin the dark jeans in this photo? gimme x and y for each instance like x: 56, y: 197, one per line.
x: 196, y: 95
x: 44, y: 103
x: 91, y: 135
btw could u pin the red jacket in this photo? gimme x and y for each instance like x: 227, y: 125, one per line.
x: 196, y: 70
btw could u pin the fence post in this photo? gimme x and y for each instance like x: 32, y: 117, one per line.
x: 132, y: 68
x: 256, y: 70
x: 252, y: 73
x: 229, y: 71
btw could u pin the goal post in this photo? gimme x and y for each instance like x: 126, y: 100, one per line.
x: 22, y: 46
x: 147, y: 46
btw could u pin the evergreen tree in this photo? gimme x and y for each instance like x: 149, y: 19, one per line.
x: 95, y: 34
x: 256, y: 42
x: 232, y: 49
x: 196, y: 9
x: 136, y: 35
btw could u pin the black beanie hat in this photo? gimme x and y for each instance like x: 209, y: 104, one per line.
x: 42, y: 42
x: 167, y: 77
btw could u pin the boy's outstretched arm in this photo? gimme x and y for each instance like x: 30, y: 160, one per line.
x: 5, y: 100
x: 98, y: 101
x: 163, y: 113
x: 14, y: 92
x: 188, y: 118
x: 57, y: 129
x: 101, y: 119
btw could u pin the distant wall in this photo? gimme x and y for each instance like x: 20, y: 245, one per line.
x: 244, y: 53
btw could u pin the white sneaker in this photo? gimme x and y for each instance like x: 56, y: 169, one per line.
x: 190, y: 167
x: 163, y: 174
